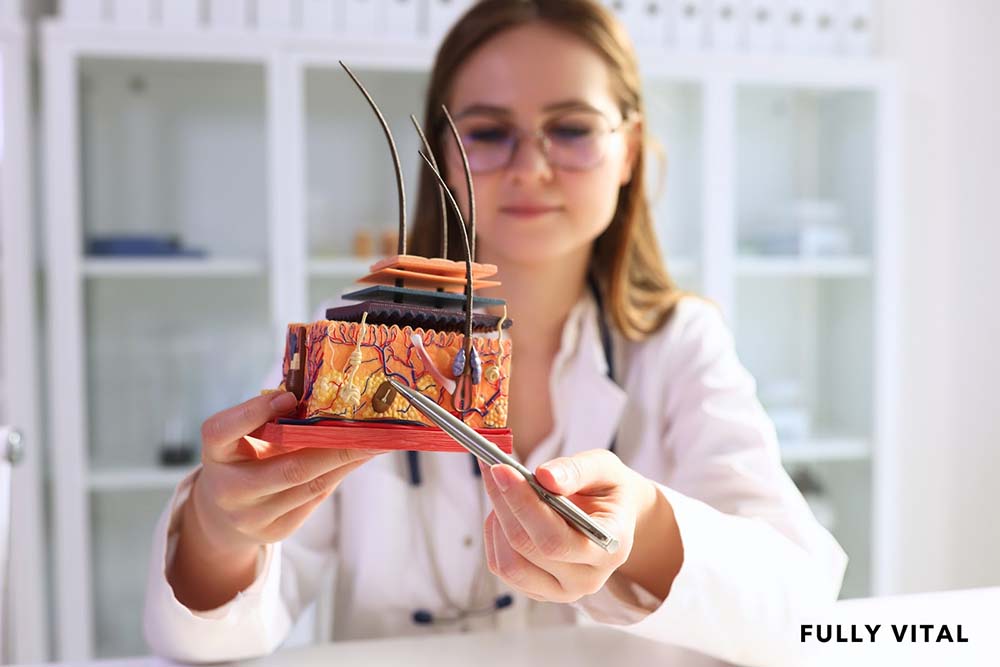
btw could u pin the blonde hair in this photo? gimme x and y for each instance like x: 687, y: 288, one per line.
x: 639, y: 294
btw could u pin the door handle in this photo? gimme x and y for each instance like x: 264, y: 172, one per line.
x: 12, y: 443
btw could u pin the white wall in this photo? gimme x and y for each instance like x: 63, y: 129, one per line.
x: 976, y: 530
x: 950, y: 406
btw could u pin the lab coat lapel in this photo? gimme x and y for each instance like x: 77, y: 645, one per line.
x: 589, y: 402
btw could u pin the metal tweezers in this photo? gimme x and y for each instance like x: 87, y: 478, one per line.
x: 490, y: 454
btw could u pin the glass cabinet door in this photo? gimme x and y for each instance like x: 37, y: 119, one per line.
x: 176, y: 306
x: 674, y: 119
x: 351, y: 198
x: 804, y: 293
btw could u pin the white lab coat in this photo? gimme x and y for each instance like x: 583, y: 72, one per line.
x: 688, y: 418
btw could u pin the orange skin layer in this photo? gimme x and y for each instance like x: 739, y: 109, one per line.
x: 388, y: 351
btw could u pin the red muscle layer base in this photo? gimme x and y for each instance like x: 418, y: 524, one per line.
x: 273, y: 439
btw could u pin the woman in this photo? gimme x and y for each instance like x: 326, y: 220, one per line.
x: 624, y: 396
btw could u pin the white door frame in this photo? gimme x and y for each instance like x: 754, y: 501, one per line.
x: 28, y: 617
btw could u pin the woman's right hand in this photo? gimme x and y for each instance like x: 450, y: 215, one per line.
x: 238, y: 503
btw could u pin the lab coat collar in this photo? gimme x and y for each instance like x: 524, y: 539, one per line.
x: 587, y: 404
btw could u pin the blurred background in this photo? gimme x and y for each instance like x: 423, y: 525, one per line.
x: 179, y: 179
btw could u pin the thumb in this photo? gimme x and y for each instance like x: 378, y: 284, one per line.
x: 588, y: 471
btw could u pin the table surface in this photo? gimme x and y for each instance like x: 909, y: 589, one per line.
x: 976, y: 609
x: 578, y: 645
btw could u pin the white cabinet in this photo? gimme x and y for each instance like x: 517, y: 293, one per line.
x: 23, y: 607
x: 441, y: 14
x: 228, y: 15
x: 810, y: 210
x: 274, y: 15
x: 773, y: 198
x: 132, y: 13
x: 318, y: 16
x: 402, y: 18
x: 166, y: 157
x: 180, y: 14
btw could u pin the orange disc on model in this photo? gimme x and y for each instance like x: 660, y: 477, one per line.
x: 433, y: 265
x: 424, y: 280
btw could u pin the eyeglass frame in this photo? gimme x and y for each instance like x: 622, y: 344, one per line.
x: 544, y: 143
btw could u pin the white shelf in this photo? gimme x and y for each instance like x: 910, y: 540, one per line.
x: 324, y: 50
x: 341, y: 267
x: 136, y: 479
x: 172, y: 267
x: 826, y: 449
x: 819, y: 267
x: 817, y: 72
x: 349, y: 267
x: 188, y: 45
x: 682, y: 266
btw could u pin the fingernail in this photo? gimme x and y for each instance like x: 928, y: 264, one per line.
x: 500, y: 478
x: 558, y: 473
x: 284, y: 402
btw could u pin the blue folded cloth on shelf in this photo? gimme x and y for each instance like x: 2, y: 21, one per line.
x: 136, y: 246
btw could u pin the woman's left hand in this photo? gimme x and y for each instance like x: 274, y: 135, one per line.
x: 535, y: 551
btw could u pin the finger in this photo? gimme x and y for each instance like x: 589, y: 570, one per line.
x: 287, y: 524
x: 221, y: 432
x: 275, y: 505
x: 287, y: 471
x: 592, y: 471
x: 523, y: 575
x: 488, y: 548
x: 531, y: 527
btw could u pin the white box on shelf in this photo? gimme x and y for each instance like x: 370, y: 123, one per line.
x: 858, y: 20
x: 647, y: 22
x: 132, y: 13
x: 794, y: 26
x: 274, y: 14
x: 442, y: 14
x: 792, y: 424
x: 83, y: 11
x: 689, y: 24
x: 825, y: 27
x: 228, y: 14
x: 361, y: 17
x: 825, y: 240
x: 402, y: 18
x: 762, y: 17
x: 180, y: 13
x: 725, y: 23
x: 317, y: 16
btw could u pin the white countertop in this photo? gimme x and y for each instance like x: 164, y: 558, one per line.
x: 977, y: 611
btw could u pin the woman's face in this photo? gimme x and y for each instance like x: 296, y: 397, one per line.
x: 525, y: 79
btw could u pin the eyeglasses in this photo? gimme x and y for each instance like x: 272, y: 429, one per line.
x: 574, y: 141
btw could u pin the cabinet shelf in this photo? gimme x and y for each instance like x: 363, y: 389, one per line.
x: 136, y: 479
x: 340, y: 267
x: 818, y: 267
x: 825, y: 449
x: 155, y: 267
x: 682, y: 266
x: 205, y: 44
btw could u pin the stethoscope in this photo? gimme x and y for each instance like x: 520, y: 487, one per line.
x: 500, y: 602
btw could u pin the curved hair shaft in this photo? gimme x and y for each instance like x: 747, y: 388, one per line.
x: 468, y: 181
x: 444, y: 205
x: 468, y: 264
x: 401, y: 244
